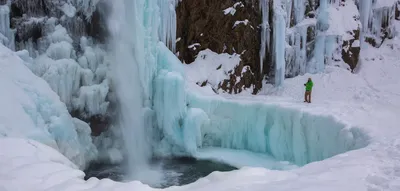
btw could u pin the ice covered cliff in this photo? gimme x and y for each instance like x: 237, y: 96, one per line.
x: 30, y: 109
x: 279, y: 39
x: 63, y: 42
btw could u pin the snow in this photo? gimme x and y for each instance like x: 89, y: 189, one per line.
x: 193, y: 46
x: 30, y: 109
x: 343, y: 19
x: 211, y: 67
x: 232, y: 10
x: 245, y: 22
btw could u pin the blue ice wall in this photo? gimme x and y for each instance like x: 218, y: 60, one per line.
x: 285, y: 133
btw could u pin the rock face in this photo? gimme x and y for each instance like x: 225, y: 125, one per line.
x: 223, y: 27
x: 318, y: 33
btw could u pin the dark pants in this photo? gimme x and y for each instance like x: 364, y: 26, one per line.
x: 307, y: 96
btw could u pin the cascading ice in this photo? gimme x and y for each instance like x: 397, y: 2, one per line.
x: 6, y: 33
x: 279, y: 42
x: 265, y: 32
x: 167, y: 28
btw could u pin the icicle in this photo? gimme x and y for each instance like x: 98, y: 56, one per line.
x: 279, y: 43
x: 289, y: 8
x: 7, y: 35
x: 365, y: 7
x: 299, y: 10
x: 322, y: 26
x: 167, y: 30
x: 265, y: 31
x: 365, y: 13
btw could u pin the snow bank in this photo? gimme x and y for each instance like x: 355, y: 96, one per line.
x: 30, y: 109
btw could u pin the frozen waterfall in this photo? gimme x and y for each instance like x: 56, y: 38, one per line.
x: 265, y: 32
x: 139, y: 56
x: 279, y: 43
x: 126, y: 25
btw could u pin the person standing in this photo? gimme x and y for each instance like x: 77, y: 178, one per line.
x: 307, y: 95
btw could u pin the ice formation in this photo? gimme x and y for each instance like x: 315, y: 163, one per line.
x: 265, y: 32
x: 79, y: 79
x: 186, y: 121
x: 34, y: 111
x: 316, y: 39
x: 6, y: 33
x: 167, y: 31
x: 279, y: 42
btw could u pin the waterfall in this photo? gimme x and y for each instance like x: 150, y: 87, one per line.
x: 137, y: 27
x: 128, y: 55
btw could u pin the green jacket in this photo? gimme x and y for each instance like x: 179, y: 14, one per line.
x: 309, y: 85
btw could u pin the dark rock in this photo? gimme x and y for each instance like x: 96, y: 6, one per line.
x: 350, y: 53
x: 204, y: 22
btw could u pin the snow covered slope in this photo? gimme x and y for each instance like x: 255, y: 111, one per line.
x: 30, y: 109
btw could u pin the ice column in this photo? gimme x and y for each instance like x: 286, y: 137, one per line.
x: 296, y: 52
x: 365, y: 7
x: 299, y: 10
x: 265, y: 31
x: 7, y: 35
x: 167, y: 29
x: 279, y: 42
x: 322, y: 26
